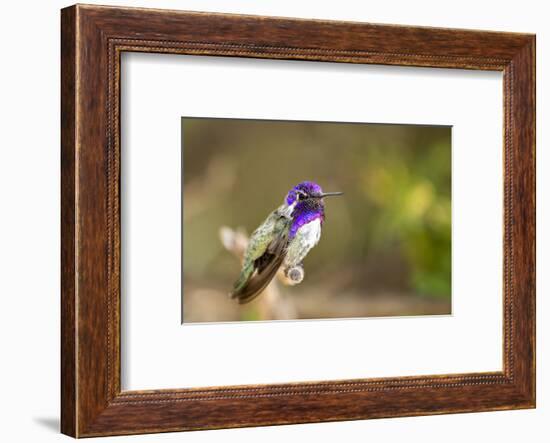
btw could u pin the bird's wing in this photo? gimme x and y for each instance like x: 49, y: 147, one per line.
x: 263, y: 257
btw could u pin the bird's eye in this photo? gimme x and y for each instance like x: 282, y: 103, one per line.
x: 300, y: 196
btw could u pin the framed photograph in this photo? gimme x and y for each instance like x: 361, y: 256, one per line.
x: 271, y: 221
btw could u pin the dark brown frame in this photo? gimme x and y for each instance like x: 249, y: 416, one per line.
x: 92, y: 40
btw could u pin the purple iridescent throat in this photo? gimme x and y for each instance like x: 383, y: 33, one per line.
x: 304, y: 214
x: 307, y: 210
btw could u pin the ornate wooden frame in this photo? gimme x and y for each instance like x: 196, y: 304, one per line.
x: 93, y: 38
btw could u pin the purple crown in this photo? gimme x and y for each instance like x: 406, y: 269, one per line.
x: 306, y: 187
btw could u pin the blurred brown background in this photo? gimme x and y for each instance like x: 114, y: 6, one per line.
x: 385, y: 248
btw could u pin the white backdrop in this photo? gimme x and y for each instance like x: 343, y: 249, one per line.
x: 29, y: 234
x: 159, y: 353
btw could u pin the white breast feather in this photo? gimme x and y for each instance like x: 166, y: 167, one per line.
x: 310, y: 233
x: 306, y: 238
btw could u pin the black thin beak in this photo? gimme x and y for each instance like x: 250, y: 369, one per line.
x: 328, y: 194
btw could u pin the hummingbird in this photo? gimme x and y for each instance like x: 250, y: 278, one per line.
x: 282, y: 241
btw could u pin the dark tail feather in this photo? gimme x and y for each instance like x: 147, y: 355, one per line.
x: 258, y: 282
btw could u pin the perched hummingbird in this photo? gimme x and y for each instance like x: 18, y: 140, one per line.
x: 282, y: 240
